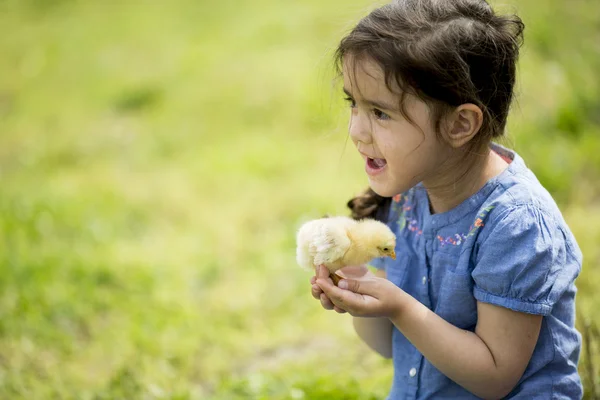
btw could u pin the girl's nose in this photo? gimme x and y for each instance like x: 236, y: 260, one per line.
x: 360, y: 128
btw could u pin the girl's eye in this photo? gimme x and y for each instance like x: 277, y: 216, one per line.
x: 380, y: 114
x: 351, y: 101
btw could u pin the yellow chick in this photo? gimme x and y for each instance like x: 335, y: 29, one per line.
x: 340, y: 241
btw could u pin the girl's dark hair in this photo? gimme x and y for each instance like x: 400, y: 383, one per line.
x: 445, y: 52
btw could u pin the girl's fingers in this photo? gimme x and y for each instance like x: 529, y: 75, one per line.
x: 323, y: 273
x: 326, y: 303
x: 316, y: 291
x: 363, y: 286
x: 343, y: 299
x: 353, y: 271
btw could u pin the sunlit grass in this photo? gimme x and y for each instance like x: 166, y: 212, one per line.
x: 155, y: 162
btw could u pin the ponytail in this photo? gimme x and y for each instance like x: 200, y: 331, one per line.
x: 370, y: 205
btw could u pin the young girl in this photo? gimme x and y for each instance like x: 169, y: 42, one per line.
x: 480, y: 299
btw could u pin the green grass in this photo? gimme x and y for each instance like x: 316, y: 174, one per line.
x: 156, y: 160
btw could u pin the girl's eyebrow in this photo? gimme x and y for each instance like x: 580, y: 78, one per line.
x: 376, y: 104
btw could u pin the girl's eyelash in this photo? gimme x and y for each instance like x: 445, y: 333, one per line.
x: 380, y: 114
x: 351, y: 101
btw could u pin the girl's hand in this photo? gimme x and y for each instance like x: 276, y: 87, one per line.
x: 366, y: 296
x: 323, y: 273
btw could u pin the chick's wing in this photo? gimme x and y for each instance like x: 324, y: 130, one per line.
x: 331, y: 242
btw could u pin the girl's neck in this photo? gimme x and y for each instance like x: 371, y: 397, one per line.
x: 460, y: 180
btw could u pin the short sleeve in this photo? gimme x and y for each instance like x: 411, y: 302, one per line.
x: 524, y: 261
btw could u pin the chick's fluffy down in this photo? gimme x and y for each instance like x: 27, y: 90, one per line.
x: 340, y: 241
x: 323, y: 242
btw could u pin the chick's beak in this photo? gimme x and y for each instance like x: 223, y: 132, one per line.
x: 393, y: 255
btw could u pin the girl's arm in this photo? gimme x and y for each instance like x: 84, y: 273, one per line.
x: 375, y: 332
x: 488, y: 362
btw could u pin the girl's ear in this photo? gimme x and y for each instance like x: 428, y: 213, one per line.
x: 463, y: 124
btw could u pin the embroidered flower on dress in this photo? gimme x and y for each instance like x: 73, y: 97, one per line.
x: 405, y: 217
x: 406, y: 220
x: 459, y: 238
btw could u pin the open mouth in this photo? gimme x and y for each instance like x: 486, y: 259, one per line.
x: 376, y: 163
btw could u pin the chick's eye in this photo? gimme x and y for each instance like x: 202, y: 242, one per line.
x: 351, y: 101
x: 385, y: 249
x: 380, y: 114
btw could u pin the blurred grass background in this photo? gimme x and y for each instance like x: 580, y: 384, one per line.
x: 156, y: 159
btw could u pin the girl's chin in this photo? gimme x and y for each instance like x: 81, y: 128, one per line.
x: 385, y: 189
x: 381, y: 188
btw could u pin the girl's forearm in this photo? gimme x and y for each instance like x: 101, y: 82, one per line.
x: 459, y: 354
x: 376, y: 333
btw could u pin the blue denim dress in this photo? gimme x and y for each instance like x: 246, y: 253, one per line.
x: 506, y: 245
